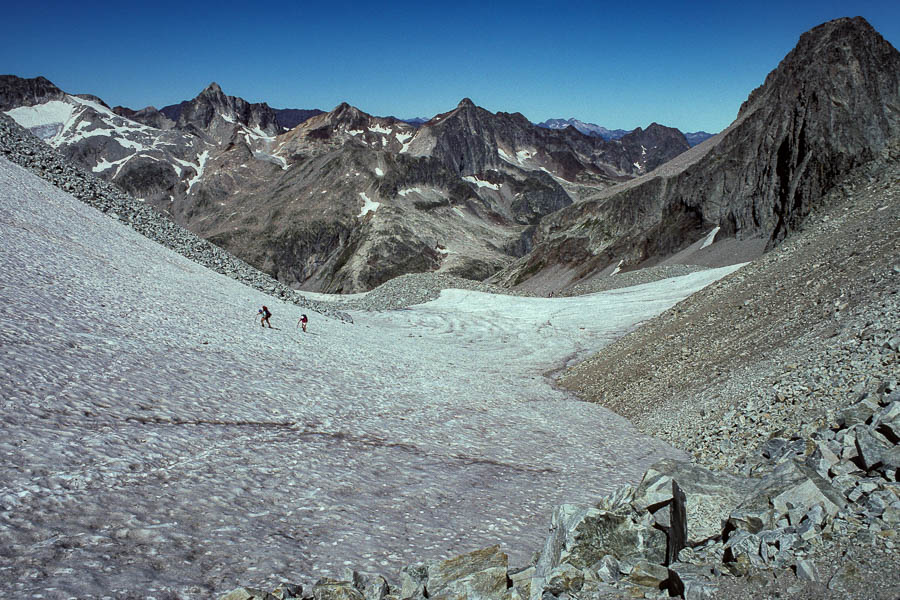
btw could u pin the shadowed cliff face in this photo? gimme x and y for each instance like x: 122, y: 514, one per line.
x: 831, y: 105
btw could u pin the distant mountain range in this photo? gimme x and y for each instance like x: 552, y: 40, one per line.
x: 612, y: 134
x: 343, y: 200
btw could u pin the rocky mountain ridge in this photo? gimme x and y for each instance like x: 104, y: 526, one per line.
x: 592, y: 129
x: 827, y: 108
x: 303, y: 204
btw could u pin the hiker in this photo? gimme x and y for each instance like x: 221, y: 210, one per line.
x: 264, y: 315
x: 303, y: 321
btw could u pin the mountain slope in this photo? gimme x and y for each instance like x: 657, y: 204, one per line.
x: 830, y: 106
x: 345, y: 200
x: 141, y: 418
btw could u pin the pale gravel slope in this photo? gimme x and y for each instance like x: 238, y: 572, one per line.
x: 156, y: 440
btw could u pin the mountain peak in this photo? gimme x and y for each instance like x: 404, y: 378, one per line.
x: 465, y: 103
x: 822, y: 58
x: 212, y: 89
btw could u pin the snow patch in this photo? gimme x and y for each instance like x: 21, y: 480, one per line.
x: 379, y: 129
x: 481, y: 183
x: 355, y: 131
x: 524, y: 155
x: 710, y: 237
x: 104, y: 164
x: 618, y: 267
x: 368, y: 205
x: 402, y: 137
x: 201, y: 163
x: 405, y: 147
x: 379, y: 172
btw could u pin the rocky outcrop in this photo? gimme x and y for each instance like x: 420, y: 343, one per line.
x: 470, y: 140
x: 16, y: 91
x: 217, y: 115
x: 149, y: 116
x: 828, y: 107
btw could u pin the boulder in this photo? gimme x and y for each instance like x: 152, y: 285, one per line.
x: 647, y: 574
x: 564, y: 579
x: 581, y: 536
x: 692, y: 582
x: 743, y: 548
x: 412, y: 581
x: 521, y: 583
x: 288, y: 590
x: 244, y: 593
x: 790, y: 485
x: 806, y: 570
x: 860, y: 412
x: 822, y: 459
x: 869, y: 450
x: 478, y: 574
x: 709, y: 497
x: 334, y: 589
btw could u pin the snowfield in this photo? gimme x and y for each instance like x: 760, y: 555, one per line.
x: 156, y: 439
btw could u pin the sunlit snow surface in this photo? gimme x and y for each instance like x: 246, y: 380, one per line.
x: 154, y: 436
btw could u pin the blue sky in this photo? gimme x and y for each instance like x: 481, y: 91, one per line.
x: 618, y: 64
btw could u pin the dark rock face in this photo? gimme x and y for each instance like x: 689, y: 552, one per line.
x: 470, y: 140
x: 202, y: 112
x: 288, y: 118
x: 149, y: 116
x: 830, y: 106
x: 16, y: 91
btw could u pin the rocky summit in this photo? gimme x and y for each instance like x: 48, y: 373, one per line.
x: 829, y: 107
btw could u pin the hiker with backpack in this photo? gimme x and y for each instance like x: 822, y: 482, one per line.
x: 264, y: 315
x: 303, y: 321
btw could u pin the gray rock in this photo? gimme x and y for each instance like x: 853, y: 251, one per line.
x: 869, y: 450
x: 692, y: 582
x: 709, y: 496
x: 743, y: 547
x: 861, y: 412
x: 286, y: 591
x: 608, y: 569
x: 647, y: 574
x: 581, y: 536
x: 806, y: 570
x: 564, y: 579
x: 478, y: 574
x: 412, y: 581
x: 333, y: 589
x: 789, y: 486
x: 521, y: 583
